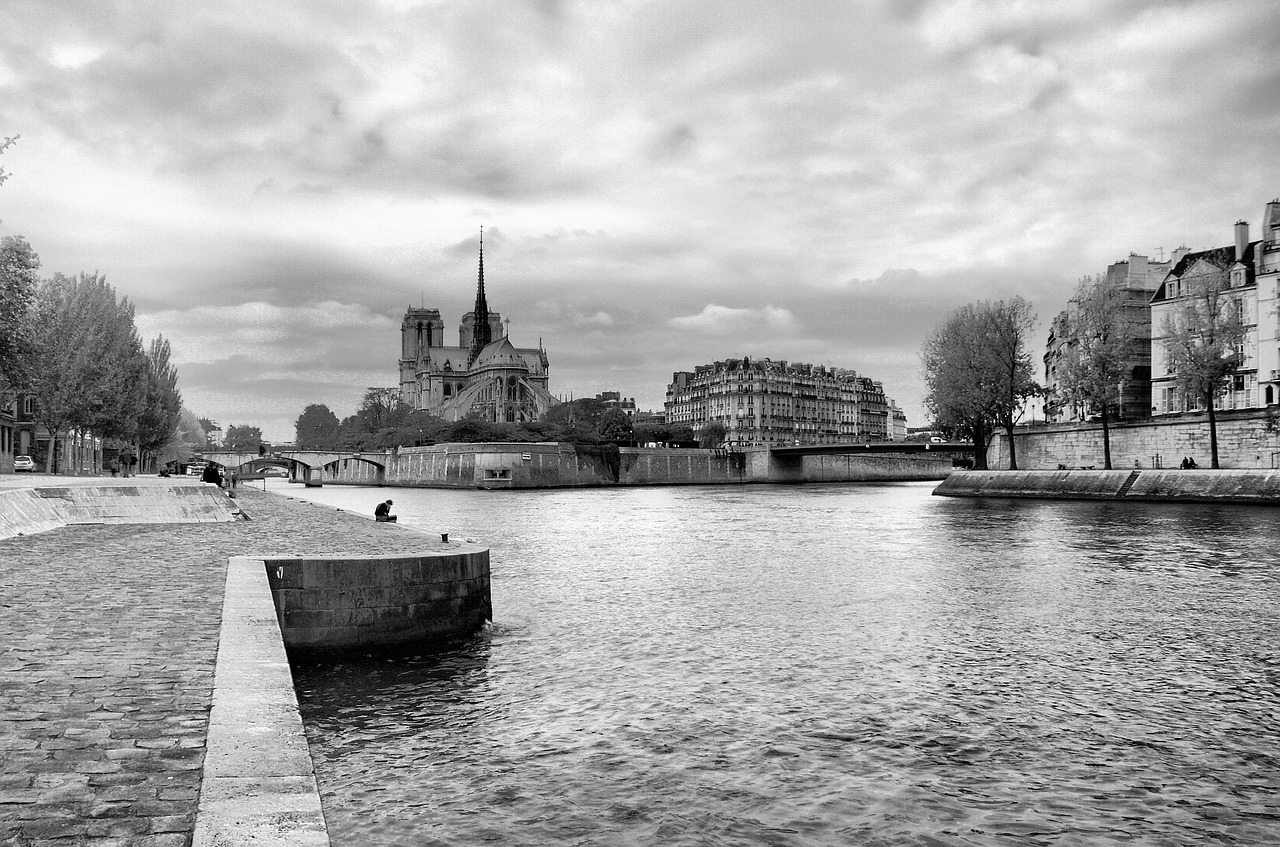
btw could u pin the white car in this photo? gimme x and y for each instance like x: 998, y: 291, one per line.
x: 23, y: 463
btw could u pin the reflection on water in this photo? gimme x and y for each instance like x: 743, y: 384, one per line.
x: 819, y: 665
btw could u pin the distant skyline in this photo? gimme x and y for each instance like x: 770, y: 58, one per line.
x: 661, y: 184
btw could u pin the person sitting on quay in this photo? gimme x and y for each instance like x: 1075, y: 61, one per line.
x: 382, y: 514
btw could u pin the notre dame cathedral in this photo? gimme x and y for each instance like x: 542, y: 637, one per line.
x: 485, y: 374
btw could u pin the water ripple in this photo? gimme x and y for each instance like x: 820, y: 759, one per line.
x: 820, y: 665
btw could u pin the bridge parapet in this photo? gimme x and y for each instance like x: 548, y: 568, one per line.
x: 320, y: 458
x: 229, y: 459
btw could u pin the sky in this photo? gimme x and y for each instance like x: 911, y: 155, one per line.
x: 661, y: 184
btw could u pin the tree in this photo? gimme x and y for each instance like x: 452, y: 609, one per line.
x: 18, y: 281
x: 188, y: 438
x: 379, y: 423
x: 615, y: 426
x: 87, y: 367
x: 1204, y: 337
x: 316, y: 427
x: 978, y: 371
x: 243, y: 439
x: 162, y: 406
x: 1094, y: 364
x: 474, y: 429
x: 712, y: 434
x: 1011, y: 323
x: 583, y: 413
x: 382, y: 408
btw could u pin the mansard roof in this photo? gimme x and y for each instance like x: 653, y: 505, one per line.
x: 1223, y: 257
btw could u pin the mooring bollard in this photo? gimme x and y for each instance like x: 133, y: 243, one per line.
x: 444, y: 536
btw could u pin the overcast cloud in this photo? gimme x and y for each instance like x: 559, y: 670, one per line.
x: 662, y: 184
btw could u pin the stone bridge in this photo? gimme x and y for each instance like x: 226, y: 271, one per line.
x: 307, y: 466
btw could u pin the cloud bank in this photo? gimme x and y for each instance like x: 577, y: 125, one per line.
x: 661, y: 184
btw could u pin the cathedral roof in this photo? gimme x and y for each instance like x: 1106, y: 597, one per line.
x: 500, y: 354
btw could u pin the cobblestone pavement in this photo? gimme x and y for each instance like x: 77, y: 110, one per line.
x: 108, y: 638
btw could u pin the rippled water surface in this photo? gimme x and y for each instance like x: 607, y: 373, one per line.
x: 822, y: 665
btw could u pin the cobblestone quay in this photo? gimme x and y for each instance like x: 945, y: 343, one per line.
x: 108, y: 639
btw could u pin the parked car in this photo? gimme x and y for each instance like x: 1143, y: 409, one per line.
x: 23, y: 463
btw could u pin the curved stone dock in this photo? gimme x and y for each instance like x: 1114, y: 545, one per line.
x: 1242, y: 486
x: 109, y: 639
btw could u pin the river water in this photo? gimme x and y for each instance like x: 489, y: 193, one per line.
x: 821, y: 665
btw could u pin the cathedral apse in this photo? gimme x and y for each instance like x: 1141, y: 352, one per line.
x: 484, y: 375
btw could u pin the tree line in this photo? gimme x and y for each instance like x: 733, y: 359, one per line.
x: 979, y: 371
x: 71, y: 343
x: 384, y: 421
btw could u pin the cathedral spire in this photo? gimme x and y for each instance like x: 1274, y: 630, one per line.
x: 482, y: 332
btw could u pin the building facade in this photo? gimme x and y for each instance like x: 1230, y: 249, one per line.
x: 615, y: 400
x: 765, y: 402
x: 1134, y: 282
x: 484, y: 375
x: 1250, y: 272
x: 76, y: 452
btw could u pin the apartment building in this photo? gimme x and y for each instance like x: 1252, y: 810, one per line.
x: 1252, y: 272
x: 764, y: 402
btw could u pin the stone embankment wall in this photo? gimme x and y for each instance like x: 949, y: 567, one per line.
x: 1246, y: 439
x: 327, y: 603
x: 27, y: 510
x: 1254, y: 486
x: 865, y: 467
x: 562, y: 465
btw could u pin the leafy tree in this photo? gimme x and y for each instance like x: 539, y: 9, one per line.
x: 473, y: 429
x: 162, y: 406
x: 379, y: 423
x: 978, y: 371
x: 615, y: 426
x: 382, y: 408
x: 316, y: 427
x: 584, y: 413
x: 243, y: 439
x: 188, y: 438
x: 418, y: 429
x: 712, y: 434
x: 87, y: 368
x: 1010, y: 325
x: 1204, y: 338
x: 649, y: 432
x: 1094, y: 364
x: 18, y: 282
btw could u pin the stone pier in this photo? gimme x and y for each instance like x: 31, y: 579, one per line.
x: 109, y: 705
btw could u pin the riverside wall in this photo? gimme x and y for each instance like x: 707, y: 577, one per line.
x: 1243, y: 485
x: 563, y: 465
x: 1246, y: 439
x: 53, y: 502
x: 343, y: 602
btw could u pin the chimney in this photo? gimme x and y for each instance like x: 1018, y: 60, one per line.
x: 1242, y: 238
